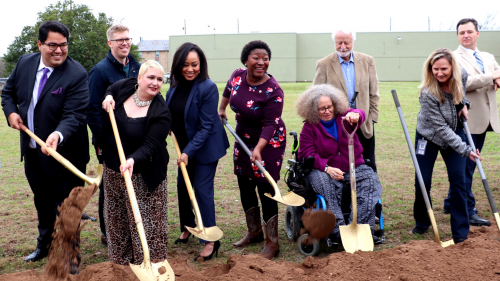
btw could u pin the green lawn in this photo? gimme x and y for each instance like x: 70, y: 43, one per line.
x: 18, y: 217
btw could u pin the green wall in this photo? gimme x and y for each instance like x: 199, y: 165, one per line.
x: 294, y: 55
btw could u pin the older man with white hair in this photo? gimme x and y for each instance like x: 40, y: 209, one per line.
x: 352, y: 72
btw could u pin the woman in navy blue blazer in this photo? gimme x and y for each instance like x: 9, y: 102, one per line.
x: 193, y: 99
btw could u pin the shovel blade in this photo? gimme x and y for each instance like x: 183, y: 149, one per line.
x: 356, y: 237
x: 291, y: 198
x: 160, y: 271
x: 211, y: 234
x: 98, y: 180
x: 447, y: 243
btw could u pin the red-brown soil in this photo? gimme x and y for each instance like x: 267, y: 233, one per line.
x: 478, y: 258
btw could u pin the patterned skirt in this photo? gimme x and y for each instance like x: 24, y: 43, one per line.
x: 124, y: 245
x: 368, y: 189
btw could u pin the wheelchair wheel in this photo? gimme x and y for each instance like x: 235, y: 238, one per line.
x: 292, y: 223
x: 308, y: 250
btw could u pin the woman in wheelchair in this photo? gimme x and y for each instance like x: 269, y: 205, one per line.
x: 322, y: 107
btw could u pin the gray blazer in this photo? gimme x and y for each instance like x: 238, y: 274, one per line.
x: 437, y: 121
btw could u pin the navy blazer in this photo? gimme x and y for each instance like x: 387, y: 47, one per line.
x: 62, y: 107
x: 207, y: 138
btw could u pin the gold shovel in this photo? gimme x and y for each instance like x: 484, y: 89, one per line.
x: 212, y: 233
x: 65, y: 162
x: 146, y: 271
x: 355, y: 237
x: 291, y: 198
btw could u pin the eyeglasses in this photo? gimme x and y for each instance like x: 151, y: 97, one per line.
x: 324, y: 109
x: 123, y: 40
x: 54, y: 46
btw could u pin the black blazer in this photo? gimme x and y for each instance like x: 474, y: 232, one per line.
x: 62, y: 107
x: 152, y: 155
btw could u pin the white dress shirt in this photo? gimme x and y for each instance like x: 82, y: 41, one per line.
x: 34, y: 101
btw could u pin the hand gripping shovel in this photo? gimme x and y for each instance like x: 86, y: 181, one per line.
x: 206, y: 233
x: 65, y: 162
x: 355, y: 237
x: 290, y: 198
x: 481, y: 172
x: 419, y: 175
x: 146, y: 271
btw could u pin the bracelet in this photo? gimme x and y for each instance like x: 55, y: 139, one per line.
x: 326, y: 168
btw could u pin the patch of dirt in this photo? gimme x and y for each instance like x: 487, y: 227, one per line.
x: 475, y: 259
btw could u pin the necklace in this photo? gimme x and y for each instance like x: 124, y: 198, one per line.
x: 139, y: 102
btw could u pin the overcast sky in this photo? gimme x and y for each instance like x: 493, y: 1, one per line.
x: 159, y: 19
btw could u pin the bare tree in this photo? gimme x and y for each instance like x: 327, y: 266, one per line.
x: 489, y: 23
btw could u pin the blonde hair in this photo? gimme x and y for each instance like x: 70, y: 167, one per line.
x: 115, y: 28
x: 151, y: 64
x: 432, y: 84
x: 307, y: 102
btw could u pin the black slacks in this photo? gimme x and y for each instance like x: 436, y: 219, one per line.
x: 49, y: 193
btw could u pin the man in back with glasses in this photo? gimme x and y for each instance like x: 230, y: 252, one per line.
x: 117, y: 65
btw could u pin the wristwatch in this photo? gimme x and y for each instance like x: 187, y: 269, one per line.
x: 326, y: 168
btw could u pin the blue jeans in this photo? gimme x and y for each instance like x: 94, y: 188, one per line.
x: 455, y: 165
x: 469, y: 173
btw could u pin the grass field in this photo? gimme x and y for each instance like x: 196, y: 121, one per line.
x: 18, y: 220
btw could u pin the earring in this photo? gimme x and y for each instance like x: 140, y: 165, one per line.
x: 136, y: 87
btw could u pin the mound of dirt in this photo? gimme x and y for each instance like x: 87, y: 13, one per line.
x: 475, y: 259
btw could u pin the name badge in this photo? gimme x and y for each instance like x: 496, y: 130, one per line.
x: 421, y: 145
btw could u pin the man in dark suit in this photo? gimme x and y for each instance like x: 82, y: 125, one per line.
x: 48, y: 92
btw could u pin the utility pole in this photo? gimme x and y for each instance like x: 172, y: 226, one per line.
x: 184, y: 26
x: 390, y: 24
x: 238, y: 24
x: 429, y: 23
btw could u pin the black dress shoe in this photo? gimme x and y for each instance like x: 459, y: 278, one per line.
x: 37, y: 255
x: 334, y: 239
x: 214, y: 250
x: 459, y: 239
x: 446, y: 211
x: 475, y: 220
x: 185, y: 240
x: 419, y: 230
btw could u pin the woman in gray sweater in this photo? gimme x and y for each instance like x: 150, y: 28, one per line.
x: 442, y: 101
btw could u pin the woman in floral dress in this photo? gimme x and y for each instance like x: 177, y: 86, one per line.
x: 257, y: 99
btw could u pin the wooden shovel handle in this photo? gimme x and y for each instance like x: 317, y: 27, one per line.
x: 130, y: 189
x: 58, y: 156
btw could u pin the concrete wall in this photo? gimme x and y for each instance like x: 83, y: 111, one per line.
x: 294, y: 55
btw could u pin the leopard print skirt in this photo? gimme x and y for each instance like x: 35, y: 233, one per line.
x: 124, y: 245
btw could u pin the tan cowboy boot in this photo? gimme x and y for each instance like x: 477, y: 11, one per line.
x: 254, y: 225
x: 272, y: 247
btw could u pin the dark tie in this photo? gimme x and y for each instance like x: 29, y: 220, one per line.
x: 479, y: 61
x: 42, y: 81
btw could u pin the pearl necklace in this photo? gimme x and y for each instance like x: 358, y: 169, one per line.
x: 139, y: 102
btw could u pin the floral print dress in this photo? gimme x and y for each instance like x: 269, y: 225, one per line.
x: 258, y: 111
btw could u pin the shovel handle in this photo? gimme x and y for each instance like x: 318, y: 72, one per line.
x: 189, y: 186
x: 480, y: 168
x: 417, y: 168
x: 130, y: 189
x: 58, y: 156
x: 352, y: 169
x: 249, y: 153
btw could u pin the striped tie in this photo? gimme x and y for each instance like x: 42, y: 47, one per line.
x: 479, y: 61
